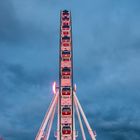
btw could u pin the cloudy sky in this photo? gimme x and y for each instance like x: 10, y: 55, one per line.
x: 106, y: 42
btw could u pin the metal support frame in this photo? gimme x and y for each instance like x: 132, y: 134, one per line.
x: 74, y: 130
x: 45, y: 129
x: 84, y: 117
x: 41, y: 132
x: 58, y: 122
x: 80, y: 121
x: 47, y: 135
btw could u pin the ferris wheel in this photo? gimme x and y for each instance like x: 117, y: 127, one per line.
x: 65, y: 102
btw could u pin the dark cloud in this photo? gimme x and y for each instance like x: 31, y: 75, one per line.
x: 8, y: 21
x: 106, y: 43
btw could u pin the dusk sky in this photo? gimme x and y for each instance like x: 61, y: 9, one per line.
x: 106, y: 43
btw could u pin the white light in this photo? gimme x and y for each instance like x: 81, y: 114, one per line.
x: 54, y: 87
x: 75, y: 87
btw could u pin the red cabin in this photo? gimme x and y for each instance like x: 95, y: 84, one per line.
x: 66, y: 71
x: 65, y: 33
x: 65, y: 27
x: 66, y: 130
x: 66, y: 111
x: 65, y: 18
x: 66, y: 91
x: 66, y: 38
x: 66, y: 23
x: 66, y: 54
x: 65, y: 44
x: 65, y: 13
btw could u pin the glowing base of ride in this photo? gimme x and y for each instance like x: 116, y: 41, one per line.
x: 45, y: 129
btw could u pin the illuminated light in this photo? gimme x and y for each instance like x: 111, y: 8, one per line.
x: 75, y: 87
x: 54, y: 87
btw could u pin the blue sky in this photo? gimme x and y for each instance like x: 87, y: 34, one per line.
x: 106, y: 42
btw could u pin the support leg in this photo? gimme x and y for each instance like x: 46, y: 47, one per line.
x: 80, y: 121
x: 47, y: 116
x: 58, y: 122
x: 50, y: 124
x: 74, y: 130
x: 84, y: 117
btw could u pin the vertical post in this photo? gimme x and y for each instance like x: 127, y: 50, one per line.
x: 59, y: 104
x: 74, y: 130
x: 85, y: 119
x: 65, y: 74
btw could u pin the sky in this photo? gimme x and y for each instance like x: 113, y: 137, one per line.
x: 106, y: 42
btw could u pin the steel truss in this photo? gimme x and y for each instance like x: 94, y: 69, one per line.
x: 44, y: 131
